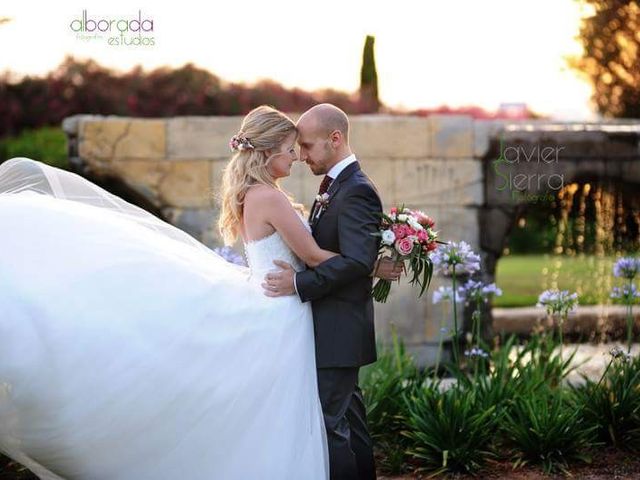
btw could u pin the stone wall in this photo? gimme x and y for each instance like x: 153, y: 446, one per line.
x: 440, y: 164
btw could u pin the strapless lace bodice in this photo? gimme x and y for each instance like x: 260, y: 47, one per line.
x: 262, y: 252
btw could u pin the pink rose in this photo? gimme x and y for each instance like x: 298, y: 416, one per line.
x: 430, y: 247
x: 424, y: 220
x: 404, y: 246
x: 398, y: 230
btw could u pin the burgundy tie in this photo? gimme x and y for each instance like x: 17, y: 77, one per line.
x: 324, y: 186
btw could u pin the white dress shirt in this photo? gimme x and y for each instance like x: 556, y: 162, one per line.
x: 333, y: 174
x: 340, y: 166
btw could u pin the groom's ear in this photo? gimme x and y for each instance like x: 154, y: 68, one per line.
x: 336, y: 138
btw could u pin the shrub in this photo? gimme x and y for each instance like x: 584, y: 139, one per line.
x: 383, y: 384
x: 544, y: 427
x: 46, y: 144
x: 450, y: 431
x: 612, y: 404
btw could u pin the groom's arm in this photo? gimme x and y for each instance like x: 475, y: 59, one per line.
x: 358, y: 218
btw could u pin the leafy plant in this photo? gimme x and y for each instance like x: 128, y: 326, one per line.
x: 497, y: 385
x: 450, y: 431
x: 46, y: 144
x: 612, y: 404
x: 546, y: 428
x: 383, y: 384
x: 540, y: 362
x: 532, y: 371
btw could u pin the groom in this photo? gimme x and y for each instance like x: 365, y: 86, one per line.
x: 339, y: 288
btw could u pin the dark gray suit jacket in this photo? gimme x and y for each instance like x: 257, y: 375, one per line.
x: 340, y: 288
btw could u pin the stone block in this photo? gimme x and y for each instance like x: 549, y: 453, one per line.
x: 382, y: 174
x: 483, y: 132
x: 451, y: 136
x: 201, y: 137
x: 143, y: 176
x: 200, y: 223
x: 388, y: 136
x: 187, y: 184
x: 120, y: 138
x: 438, y: 181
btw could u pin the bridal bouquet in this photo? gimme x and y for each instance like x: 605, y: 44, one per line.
x: 407, y: 235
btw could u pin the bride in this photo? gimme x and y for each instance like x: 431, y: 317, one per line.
x: 130, y: 351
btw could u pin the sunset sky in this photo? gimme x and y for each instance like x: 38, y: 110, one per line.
x: 428, y: 53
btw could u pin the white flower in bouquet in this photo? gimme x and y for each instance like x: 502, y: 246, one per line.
x: 413, y: 223
x: 388, y: 237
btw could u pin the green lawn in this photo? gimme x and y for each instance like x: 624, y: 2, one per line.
x: 523, y: 277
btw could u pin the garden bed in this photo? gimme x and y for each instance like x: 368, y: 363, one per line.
x: 608, y: 464
x: 517, y: 411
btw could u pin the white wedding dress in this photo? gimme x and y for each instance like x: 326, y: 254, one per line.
x: 130, y: 351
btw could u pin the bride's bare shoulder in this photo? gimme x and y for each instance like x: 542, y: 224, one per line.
x: 259, y: 189
x: 265, y: 196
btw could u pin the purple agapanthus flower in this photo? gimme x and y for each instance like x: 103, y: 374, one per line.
x: 230, y: 255
x: 627, y: 293
x: 445, y: 294
x: 626, y: 267
x: 476, y: 352
x: 618, y: 353
x: 556, y: 301
x: 458, y: 254
x: 474, y: 290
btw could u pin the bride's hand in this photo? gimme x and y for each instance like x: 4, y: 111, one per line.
x: 278, y: 284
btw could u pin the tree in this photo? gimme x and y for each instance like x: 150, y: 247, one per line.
x: 85, y: 86
x: 611, y: 46
x: 369, y: 78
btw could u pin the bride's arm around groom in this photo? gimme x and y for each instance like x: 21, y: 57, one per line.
x: 358, y: 217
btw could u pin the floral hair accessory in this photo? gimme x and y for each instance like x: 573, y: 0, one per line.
x: 240, y: 143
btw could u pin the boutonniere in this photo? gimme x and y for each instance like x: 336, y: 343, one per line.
x: 323, y: 200
x: 320, y: 206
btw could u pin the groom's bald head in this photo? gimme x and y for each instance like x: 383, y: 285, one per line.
x: 323, y: 137
x: 326, y: 118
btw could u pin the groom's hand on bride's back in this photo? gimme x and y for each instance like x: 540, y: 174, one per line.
x: 280, y: 283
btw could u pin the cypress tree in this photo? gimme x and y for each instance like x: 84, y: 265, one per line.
x: 369, y: 77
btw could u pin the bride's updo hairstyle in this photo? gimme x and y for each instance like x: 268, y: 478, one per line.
x: 263, y: 129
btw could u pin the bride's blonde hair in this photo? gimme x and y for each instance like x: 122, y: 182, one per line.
x: 264, y: 128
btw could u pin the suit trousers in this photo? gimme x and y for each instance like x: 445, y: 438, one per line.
x: 350, y: 445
